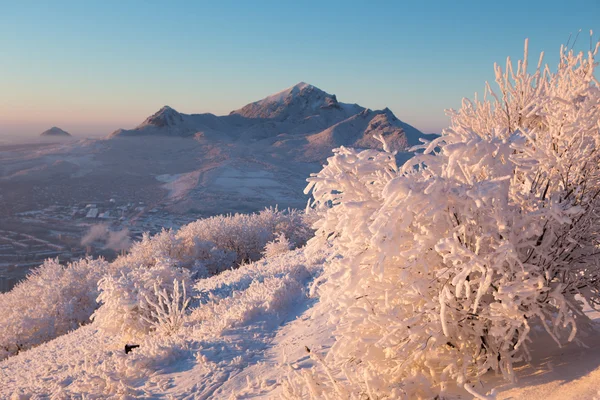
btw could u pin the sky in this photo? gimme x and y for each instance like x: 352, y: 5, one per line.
x: 91, y: 67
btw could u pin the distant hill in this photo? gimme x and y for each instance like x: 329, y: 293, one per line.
x: 55, y: 132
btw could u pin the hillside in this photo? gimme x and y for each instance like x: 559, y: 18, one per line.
x: 249, y: 339
x: 470, y: 270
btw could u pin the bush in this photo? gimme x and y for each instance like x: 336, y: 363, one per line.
x: 128, y: 300
x: 447, y: 263
x: 279, y: 245
x: 244, y: 235
x: 220, y: 242
x: 53, y: 300
x: 168, y: 313
x: 202, y: 248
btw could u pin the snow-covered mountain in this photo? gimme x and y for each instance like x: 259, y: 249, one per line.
x: 169, y: 122
x: 302, y: 118
x: 297, y: 102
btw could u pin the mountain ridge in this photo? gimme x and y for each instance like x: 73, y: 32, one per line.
x: 312, y: 119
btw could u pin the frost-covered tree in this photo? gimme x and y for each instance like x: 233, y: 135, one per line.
x: 445, y: 264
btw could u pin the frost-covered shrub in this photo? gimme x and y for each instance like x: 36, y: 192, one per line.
x: 128, y: 299
x: 210, y: 259
x: 446, y: 264
x: 153, y: 249
x: 53, y: 300
x: 244, y: 234
x: 130, y: 295
x: 220, y: 242
x: 168, y: 313
x: 277, y: 246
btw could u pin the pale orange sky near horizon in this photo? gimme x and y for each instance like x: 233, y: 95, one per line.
x: 93, y: 117
x: 92, y: 67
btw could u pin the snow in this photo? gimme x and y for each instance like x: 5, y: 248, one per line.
x: 92, y: 213
x: 179, y: 185
x: 250, y: 182
x: 571, y: 373
x: 250, y: 331
x: 279, y: 97
x: 240, y: 315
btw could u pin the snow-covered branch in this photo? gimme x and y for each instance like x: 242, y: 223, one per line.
x: 445, y: 264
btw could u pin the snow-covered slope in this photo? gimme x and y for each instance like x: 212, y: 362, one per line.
x: 444, y: 281
x: 236, y: 318
x: 248, y: 334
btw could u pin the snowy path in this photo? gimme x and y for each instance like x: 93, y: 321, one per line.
x: 245, y: 360
x: 288, y: 347
x: 244, y: 367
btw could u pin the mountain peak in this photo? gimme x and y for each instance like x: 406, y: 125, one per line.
x: 301, y: 85
x: 389, y: 114
x: 302, y: 100
x: 166, y: 116
x: 298, y: 89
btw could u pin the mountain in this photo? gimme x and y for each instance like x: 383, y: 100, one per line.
x: 297, y: 102
x: 169, y: 122
x: 302, y: 121
x: 202, y: 164
x: 55, y: 132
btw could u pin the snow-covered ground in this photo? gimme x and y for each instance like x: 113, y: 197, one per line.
x: 248, y: 331
x: 244, y: 322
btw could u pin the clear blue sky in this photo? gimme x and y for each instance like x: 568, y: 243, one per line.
x: 92, y: 66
